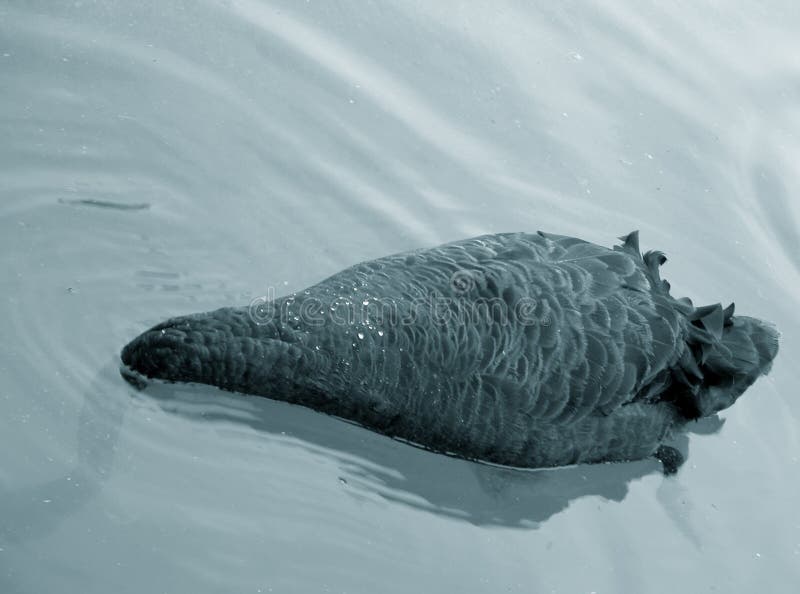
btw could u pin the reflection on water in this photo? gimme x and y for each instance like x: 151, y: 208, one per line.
x: 369, y: 463
x: 161, y: 158
x: 398, y: 472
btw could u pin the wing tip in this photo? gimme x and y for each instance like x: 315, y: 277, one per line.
x: 630, y: 241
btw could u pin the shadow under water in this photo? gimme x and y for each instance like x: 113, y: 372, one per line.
x: 35, y: 511
x: 370, y: 463
x: 479, y: 493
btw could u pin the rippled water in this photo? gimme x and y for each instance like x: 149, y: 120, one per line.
x: 166, y: 157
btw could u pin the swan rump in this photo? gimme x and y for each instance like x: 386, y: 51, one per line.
x: 522, y: 349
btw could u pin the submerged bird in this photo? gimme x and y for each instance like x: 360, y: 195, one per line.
x: 528, y: 350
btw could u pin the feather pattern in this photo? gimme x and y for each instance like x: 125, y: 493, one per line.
x: 520, y: 349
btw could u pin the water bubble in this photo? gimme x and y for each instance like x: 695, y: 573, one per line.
x: 360, y: 336
x: 380, y: 332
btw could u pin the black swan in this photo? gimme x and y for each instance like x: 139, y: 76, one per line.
x: 529, y: 350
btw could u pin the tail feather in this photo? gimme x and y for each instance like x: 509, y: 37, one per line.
x: 728, y: 364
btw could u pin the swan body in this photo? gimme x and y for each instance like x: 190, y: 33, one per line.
x: 531, y: 350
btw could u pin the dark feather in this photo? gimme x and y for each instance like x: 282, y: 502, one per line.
x: 521, y: 349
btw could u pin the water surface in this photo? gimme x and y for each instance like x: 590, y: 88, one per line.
x: 160, y: 158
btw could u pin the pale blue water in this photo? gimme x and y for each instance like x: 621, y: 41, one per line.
x: 159, y: 158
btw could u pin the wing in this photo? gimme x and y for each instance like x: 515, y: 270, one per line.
x: 509, y: 330
x: 617, y: 332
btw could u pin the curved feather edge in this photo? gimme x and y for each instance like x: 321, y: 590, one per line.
x: 706, y: 346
